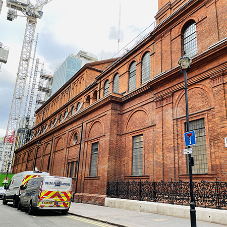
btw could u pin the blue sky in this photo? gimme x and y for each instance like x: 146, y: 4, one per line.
x: 66, y: 28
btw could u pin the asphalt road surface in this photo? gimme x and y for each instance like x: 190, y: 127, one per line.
x: 11, y: 217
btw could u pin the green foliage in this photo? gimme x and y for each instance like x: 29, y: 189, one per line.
x: 3, y: 175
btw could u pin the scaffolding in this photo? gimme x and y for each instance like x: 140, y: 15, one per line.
x: 44, y: 88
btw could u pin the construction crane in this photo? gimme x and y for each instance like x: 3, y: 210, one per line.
x: 32, y: 12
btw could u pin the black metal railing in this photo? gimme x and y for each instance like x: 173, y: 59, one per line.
x: 207, y: 194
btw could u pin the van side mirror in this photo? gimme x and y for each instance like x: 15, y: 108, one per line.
x: 22, y: 187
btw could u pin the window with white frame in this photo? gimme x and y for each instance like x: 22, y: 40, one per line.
x: 137, y: 155
x: 132, y: 77
x: 146, y: 67
x: 190, y: 39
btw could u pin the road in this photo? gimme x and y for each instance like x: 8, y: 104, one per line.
x: 10, y: 217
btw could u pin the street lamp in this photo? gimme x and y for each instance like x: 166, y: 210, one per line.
x: 184, y: 63
x: 38, y: 143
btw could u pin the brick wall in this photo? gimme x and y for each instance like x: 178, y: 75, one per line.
x: 155, y: 110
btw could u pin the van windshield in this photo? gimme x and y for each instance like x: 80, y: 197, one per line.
x: 57, y: 183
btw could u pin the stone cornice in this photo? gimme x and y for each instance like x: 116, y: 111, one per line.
x: 213, y: 52
x: 213, y: 72
x: 112, y: 97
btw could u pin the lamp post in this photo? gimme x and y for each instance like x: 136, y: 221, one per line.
x: 38, y: 144
x: 184, y: 63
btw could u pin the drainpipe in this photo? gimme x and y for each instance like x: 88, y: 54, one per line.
x: 81, y: 134
x: 99, y: 88
x: 48, y: 165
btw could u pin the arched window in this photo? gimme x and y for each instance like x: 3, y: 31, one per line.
x: 72, y: 110
x: 88, y: 100
x: 106, y: 88
x: 116, y: 83
x: 65, y: 115
x: 146, y: 67
x: 94, y: 98
x: 78, y: 106
x: 60, y: 118
x: 132, y: 77
x: 190, y: 39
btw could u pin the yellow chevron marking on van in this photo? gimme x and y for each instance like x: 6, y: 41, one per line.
x: 90, y: 221
x: 59, y: 198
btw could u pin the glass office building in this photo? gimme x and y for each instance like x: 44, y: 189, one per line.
x: 71, y: 65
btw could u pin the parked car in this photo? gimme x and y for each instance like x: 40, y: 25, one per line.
x: 13, y: 191
x: 2, y: 192
x: 46, y: 193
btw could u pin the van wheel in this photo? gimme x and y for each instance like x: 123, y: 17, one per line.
x: 19, y: 205
x: 15, y: 203
x: 4, y: 200
x: 30, y: 209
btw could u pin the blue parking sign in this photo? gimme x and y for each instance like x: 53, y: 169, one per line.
x: 189, y: 138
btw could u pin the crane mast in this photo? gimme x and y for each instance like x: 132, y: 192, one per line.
x: 32, y: 13
x: 30, y: 78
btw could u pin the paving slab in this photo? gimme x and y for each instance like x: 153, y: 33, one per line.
x: 128, y: 218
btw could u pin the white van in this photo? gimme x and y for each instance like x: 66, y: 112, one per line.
x: 46, y: 193
x: 13, y: 190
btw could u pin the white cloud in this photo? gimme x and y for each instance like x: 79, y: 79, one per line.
x: 2, y: 132
x: 69, y: 26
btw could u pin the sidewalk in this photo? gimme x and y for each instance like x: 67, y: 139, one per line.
x: 127, y: 218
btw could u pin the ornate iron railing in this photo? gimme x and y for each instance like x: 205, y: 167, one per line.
x: 207, y: 194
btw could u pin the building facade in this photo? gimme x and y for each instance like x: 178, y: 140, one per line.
x: 71, y: 65
x: 124, y: 119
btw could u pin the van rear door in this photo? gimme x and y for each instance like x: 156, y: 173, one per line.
x: 56, y: 192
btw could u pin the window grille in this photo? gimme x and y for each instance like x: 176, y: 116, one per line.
x: 116, y: 83
x: 106, y: 88
x: 190, y: 40
x: 137, y: 155
x: 199, y: 151
x: 146, y: 67
x: 94, y: 157
x: 132, y: 77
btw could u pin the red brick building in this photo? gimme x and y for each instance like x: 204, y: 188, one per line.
x: 124, y: 119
